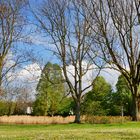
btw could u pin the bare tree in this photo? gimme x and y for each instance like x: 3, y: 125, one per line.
x: 137, y: 6
x: 23, y: 99
x: 69, y: 33
x: 116, y: 25
x: 11, y: 29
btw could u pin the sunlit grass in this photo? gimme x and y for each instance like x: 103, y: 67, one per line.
x: 71, y: 132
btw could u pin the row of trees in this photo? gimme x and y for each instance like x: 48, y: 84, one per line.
x: 101, y: 100
x: 16, y: 101
x: 104, y: 33
x: 51, y: 98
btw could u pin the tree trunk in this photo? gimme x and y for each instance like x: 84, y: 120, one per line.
x: 10, y: 105
x: 122, y: 110
x: 77, y: 113
x: 1, y: 91
x: 135, y: 111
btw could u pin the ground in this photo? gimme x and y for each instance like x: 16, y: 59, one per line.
x: 71, y: 132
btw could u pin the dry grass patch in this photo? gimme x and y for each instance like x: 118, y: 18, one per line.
x: 36, y: 120
x: 62, y: 120
x: 105, y: 119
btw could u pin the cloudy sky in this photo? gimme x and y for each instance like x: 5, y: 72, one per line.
x: 30, y: 75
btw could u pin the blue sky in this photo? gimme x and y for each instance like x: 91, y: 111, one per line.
x: 39, y: 46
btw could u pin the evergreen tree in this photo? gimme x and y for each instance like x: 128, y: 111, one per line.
x: 50, y: 90
x: 95, y: 101
x: 123, y: 97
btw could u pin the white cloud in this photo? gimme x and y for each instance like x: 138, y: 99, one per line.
x: 110, y: 75
x: 30, y: 74
x: 9, y: 62
x: 27, y: 77
x: 86, y: 79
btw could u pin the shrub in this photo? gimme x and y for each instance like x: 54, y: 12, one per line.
x: 105, y: 119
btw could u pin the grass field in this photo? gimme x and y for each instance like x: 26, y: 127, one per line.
x: 124, y: 131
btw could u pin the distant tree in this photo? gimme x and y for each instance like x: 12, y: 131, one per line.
x: 22, y: 101
x: 95, y: 101
x: 3, y: 108
x: 123, y: 96
x: 50, y: 91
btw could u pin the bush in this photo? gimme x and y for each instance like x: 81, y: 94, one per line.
x: 105, y: 119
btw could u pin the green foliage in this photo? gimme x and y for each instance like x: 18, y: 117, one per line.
x: 95, y: 100
x: 123, y: 96
x: 7, y: 107
x: 50, y: 91
x: 40, y: 105
x: 121, y: 99
x: 99, y: 101
x: 100, y: 88
x: 3, y: 108
x: 93, y: 108
x: 66, y: 106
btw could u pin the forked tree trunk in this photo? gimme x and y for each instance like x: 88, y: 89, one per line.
x: 77, y: 113
x: 135, y: 111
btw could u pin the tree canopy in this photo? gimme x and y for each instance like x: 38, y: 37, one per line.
x: 50, y: 90
x: 95, y: 101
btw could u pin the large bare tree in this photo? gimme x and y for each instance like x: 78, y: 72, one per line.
x: 11, y: 29
x: 116, y: 25
x: 64, y: 25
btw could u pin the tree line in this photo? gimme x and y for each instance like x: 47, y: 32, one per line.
x: 101, y: 100
x: 51, y: 98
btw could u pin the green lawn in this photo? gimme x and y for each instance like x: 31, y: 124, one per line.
x: 71, y: 132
